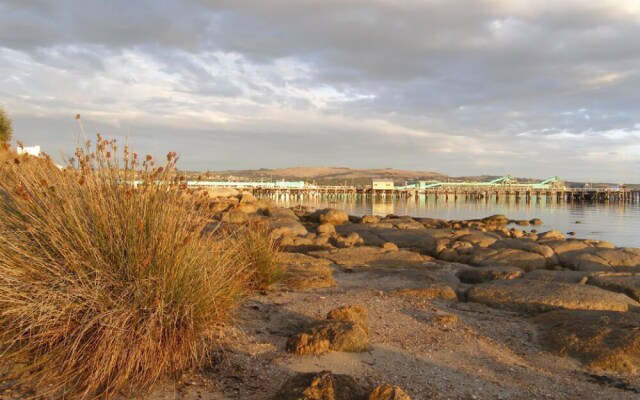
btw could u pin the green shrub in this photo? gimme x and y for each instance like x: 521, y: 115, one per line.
x: 6, y: 127
x: 107, y: 282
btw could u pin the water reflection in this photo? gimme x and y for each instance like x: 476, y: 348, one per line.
x: 617, y: 222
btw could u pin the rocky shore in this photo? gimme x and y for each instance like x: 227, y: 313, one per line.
x: 397, y: 307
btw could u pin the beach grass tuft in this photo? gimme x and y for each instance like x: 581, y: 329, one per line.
x: 108, y: 282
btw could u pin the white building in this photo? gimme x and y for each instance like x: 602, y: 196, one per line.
x: 382, y: 184
x: 32, y: 151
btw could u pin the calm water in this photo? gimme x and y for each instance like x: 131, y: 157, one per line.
x: 617, y: 222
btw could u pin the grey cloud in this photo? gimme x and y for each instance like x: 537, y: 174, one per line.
x: 488, y: 71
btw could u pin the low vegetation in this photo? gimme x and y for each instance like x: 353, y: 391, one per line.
x: 107, y: 280
x: 6, y: 127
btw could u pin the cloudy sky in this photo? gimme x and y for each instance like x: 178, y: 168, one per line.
x: 527, y: 88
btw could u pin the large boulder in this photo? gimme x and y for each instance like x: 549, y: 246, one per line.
x: 621, y: 283
x: 304, y: 272
x: 604, y: 341
x: 530, y: 246
x: 586, y: 256
x: 330, y: 216
x: 287, y: 227
x: 539, y: 296
x: 507, y: 257
x: 321, y: 386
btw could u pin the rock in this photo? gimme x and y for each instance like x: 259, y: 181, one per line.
x: 508, y: 257
x: 539, y: 296
x: 435, y: 291
x: 479, y: 275
x: 286, y: 227
x: 390, y: 246
x: 351, y: 240
x: 405, y: 238
x: 221, y: 192
x: 522, y: 222
x: 330, y: 215
x: 581, y: 256
x: 497, y: 219
x: 388, y: 392
x: 621, y: 259
x: 372, y: 257
x: 369, y: 219
x: 579, y: 277
x: 341, y: 335
x: 280, y: 213
x: 551, y: 235
x: 321, y: 386
x: 603, y: 340
x: 535, y: 221
x: 627, y: 284
x: 328, y: 229
x: 480, y: 239
x: 530, y: 246
x: 356, y: 314
x: 304, y: 272
x: 516, y: 233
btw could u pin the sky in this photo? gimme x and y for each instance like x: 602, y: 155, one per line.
x: 462, y: 87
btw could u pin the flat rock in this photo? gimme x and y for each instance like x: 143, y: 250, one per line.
x: 304, y: 272
x: 367, y: 232
x: 603, y: 340
x: 540, y: 296
x: 372, y: 257
x: 480, y: 239
x: 579, y: 277
x: 321, y: 386
x: 627, y: 284
x: 287, y: 226
x: 507, y: 257
x: 479, y: 275
x: 407, y: 238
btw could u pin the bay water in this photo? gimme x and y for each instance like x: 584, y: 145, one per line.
x: 616, y: 222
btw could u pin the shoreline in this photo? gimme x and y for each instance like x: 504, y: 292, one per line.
x: 453, y: 312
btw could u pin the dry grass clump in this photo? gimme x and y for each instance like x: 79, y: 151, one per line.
x: 107, y: 282
x: 263, y: 253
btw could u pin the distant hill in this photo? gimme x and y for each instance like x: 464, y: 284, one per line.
x: 352, y: 176
x: 327, y: 175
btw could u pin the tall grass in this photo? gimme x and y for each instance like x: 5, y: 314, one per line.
x: 263, y: 257
x: 107, y: 282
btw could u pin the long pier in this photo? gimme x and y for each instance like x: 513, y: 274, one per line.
x: 569, y: 194
x: 482, y: 191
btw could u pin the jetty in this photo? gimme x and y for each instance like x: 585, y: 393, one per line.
x: 504, y: 187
